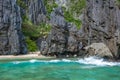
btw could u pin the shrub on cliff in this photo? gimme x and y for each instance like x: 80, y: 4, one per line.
x: 31, y: 45
x: 33, y: 32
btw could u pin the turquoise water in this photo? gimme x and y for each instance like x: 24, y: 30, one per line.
x: 79, y: 69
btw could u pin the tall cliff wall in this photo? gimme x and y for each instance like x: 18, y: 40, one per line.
x: 36, y: 11
x: 11, y: 37
x: 102, y: 24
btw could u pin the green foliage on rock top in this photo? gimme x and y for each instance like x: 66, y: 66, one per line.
x: 75, y: 9
x: 77, y: 6
x: 50, y: 5
x: 69, y: 17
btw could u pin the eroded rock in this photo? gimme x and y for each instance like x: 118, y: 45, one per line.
x: 101, y: 23
x: 36, y: 11
x: 62, y: 39
x: 99, y: 50
x: 11, y: 37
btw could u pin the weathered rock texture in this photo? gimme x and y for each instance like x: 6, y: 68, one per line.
x: 11, y: 37
x: 62, y: 39
x: 99, y: 49
x: 102, y: 24
x: 36, y: 11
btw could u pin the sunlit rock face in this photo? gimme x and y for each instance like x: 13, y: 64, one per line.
x: 11, y: 37
x: 101, y: 23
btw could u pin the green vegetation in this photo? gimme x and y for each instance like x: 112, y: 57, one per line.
x: 22, y: 4
x: 77, y: 6
x: 69, y: 17
x: 31, y: 44
x: 75, y: 9
x: 50, y: 4
x: 33, y: 32
x: 118, y: 3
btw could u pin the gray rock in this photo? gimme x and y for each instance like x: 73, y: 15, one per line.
x: 101, y: 23
x: 99, y: 50
x: 11, y: 37
x: 61, y: 39
x: 36, y: 11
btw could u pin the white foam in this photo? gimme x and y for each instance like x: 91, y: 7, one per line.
x: 16, y: 62
x: 66, y: 60
x: 87, y: 61
x: 97, y: 61
x: 33, y: 61
x: 53, y: 61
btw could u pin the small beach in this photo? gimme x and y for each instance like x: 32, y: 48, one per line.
x: 23, y: 57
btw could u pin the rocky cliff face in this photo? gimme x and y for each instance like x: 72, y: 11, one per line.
x: 62, y: 40
x: 102, y: 24
x: 36, y: 11
x: 11, y: 37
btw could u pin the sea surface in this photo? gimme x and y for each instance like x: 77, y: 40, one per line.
x: 90, y: 68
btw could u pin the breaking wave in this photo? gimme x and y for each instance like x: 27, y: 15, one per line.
x: 87, y: 61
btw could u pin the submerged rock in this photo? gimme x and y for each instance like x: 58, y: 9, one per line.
x: 11, y: 37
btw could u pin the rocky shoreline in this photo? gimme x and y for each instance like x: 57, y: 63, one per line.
x: 98, y: 36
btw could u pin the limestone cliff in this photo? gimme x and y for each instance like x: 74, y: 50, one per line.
x: 36, y: 11
x: 11, y: 37
x: 101, y: 23
x: 62, y: 40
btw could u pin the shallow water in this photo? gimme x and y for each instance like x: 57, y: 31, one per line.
x: 79, y: 69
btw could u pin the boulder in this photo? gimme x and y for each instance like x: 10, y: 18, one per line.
x: 99, y: 50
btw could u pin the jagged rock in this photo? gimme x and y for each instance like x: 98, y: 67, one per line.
x: 59, y: 29
x: 72, y: 43
x: 36, y: 11
x: 101, y: 23
x: 62, y: 38
x: 11, y: 37
x: 99, y: 50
